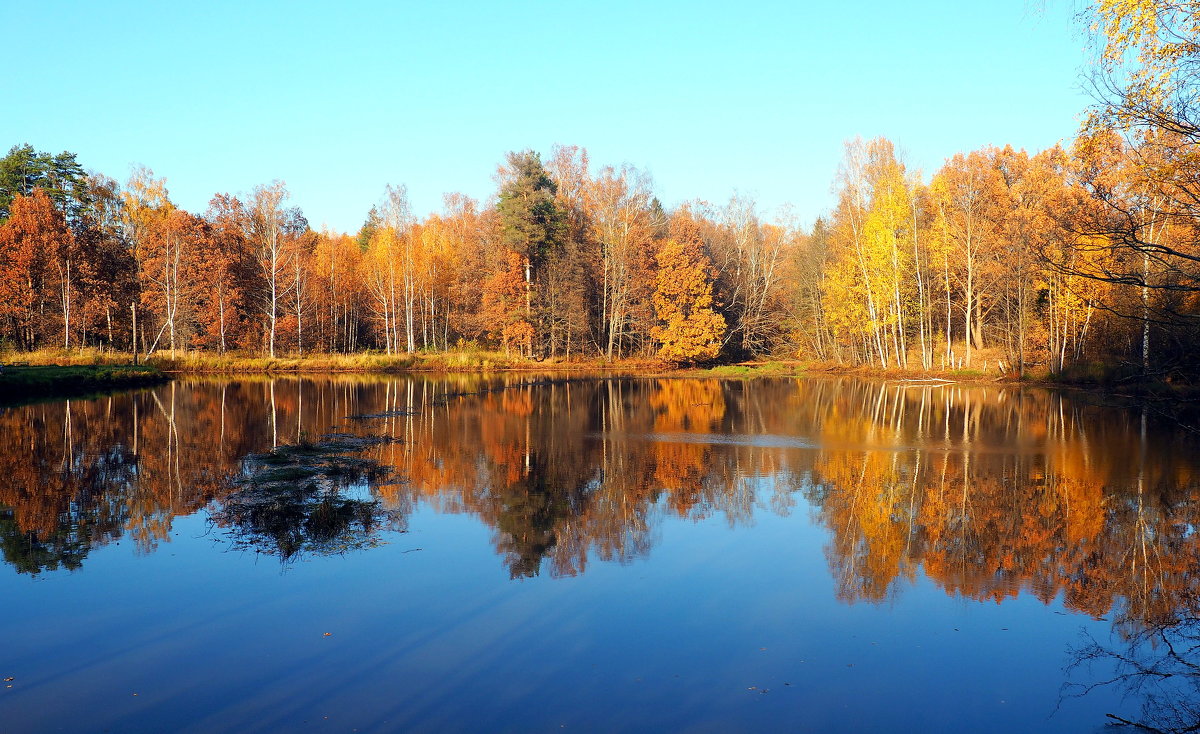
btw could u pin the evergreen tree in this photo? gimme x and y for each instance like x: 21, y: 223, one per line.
x: 531, y: 225
x: 60, y: 176
x: 368, y: 229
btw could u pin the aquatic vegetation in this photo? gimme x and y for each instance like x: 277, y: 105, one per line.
x: 308, y: 498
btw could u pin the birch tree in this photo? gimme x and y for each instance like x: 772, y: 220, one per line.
x: 265, y: 225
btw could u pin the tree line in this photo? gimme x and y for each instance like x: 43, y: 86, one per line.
x: 566, y: 262
x: 1027, y: 257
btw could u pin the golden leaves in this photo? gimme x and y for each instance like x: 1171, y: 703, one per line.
x: 691, y: 330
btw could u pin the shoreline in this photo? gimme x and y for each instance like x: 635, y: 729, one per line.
x: 25, y: 383
x: 68, y: 373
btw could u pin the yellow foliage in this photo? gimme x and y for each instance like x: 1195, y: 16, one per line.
x: 690, y: 330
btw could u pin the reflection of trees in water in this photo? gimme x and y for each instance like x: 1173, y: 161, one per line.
x: 995, y: 493
x: 1154, y: 650
x: 79, y: 474
x: 989, y: 492
x: 563, y: 472
x: 1158, y: 664
x: 573, y: 471
x: 37, y: 551
x: 62, y: 471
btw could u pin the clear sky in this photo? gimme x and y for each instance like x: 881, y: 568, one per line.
x: 339, y: 99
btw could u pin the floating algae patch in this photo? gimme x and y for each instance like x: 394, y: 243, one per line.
x: 309, y: 498
x: 403, y: 413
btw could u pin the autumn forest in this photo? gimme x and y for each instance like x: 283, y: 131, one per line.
x: 1026, y: 257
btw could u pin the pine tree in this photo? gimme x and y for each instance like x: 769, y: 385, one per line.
x: 531, y: 225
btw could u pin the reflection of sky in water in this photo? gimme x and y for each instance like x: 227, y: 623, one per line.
x: 734, y: 619
x: 721, y: 629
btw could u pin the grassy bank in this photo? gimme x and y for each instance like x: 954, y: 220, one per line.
x: 779, y: 368
x: 1119, y: 379
x: 25, y: 383
x: 479, y: 360
x: 471, y: 360
x: 805, y: 368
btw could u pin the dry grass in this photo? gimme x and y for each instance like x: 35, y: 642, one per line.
x: 66, y: 357
x: 467, y: 360
x: 985, y: 365
x: 455, y: 361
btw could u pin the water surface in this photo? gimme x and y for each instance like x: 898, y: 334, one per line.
x: 521, y: 553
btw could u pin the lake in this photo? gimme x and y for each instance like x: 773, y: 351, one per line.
x: 534, y: 553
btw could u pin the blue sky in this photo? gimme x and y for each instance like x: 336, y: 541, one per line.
x: 711, y: 98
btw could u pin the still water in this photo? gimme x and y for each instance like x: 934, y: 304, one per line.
x: 528, y: 554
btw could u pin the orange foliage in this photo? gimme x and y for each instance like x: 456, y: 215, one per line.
x: 691, y: 330
x: 34, y: 234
